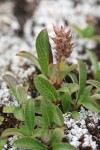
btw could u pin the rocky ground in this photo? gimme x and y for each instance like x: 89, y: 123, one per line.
x: 19, y: 25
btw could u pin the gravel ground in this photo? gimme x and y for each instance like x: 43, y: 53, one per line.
x: 13, y: 39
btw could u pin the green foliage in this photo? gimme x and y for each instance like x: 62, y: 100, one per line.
x: 86, y: 101
x: 95, y: 97
x: 47, y: 112
x: 43, y: 51
x: 19, y: 113
x: 57, y: 72
x: 30, y: 57
x: 2, y: 142
x: 30, y: 115
x: 73, y: 77
x: 21, y: 94
x: 58, y: 117
x: 96, y: 38
x: 88, y: 32
x: 29, y: 143
x: 56, y: 136
x: 1, y: 119
x: 75, y: 114
x: 45, y: 134
x: 11, y: 131
x: 63, y: 146
x: 9, y: 109
x: 45, y: 88
x: 83, y: 96
x: 12, y: 83
x: 95, y: 64
x: 83, y: 93
x: 66, y: 102
x: 94, y: 60
x: 94, y: 83
x: 71, y: 87
x: 82, y: 77
x: 41, y: 121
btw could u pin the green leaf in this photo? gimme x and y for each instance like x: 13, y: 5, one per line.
x: 45, y: 88
x: 94, y: 83
x: 63, y: 146
x: 60, y: 76
x: 2, y: 142
x: 79, y: 30
x: 82, y: 77
x: 75, y: 114
x: 56, y: 136
x: 86, y: 100
x: 39, y: 121
x: 96, y: 38
x: 71, y: 87
x: 30, y: 115
x: 66, y: 101
x: 45, y: 134
x: 58, y: 118
x: 37, y: 133
x: 43, y: 51
x: 97, y: 75
x: 73, y: 77
x: 47, y: 112
x: 52, y: 71
x: 24, y: 130
x: 12, y: 83
x: 56, y: 74
x: 18, y: 113
x: 37, y: 104
x: 88, y: 32
x: 63, y: 89
x: 29, y: 143
x: 62, y: 66
x: 1, y: 119
x: 86, y: 93
x: 90, y: 105
x: 30, y: 57
x: 11, y: 131
x: 71, y: 68
x: 95, y: 97
x: 21, y: 94
x: 94, y: 60
x: 8, y: 109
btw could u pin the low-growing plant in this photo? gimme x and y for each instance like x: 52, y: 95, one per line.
x: 87, y: 33
x: 41, y: 118
x: 95, y: 65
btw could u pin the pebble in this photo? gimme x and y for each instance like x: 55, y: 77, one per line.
x: 75, y: 132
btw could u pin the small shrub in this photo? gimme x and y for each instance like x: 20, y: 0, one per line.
x: 41, y: 118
